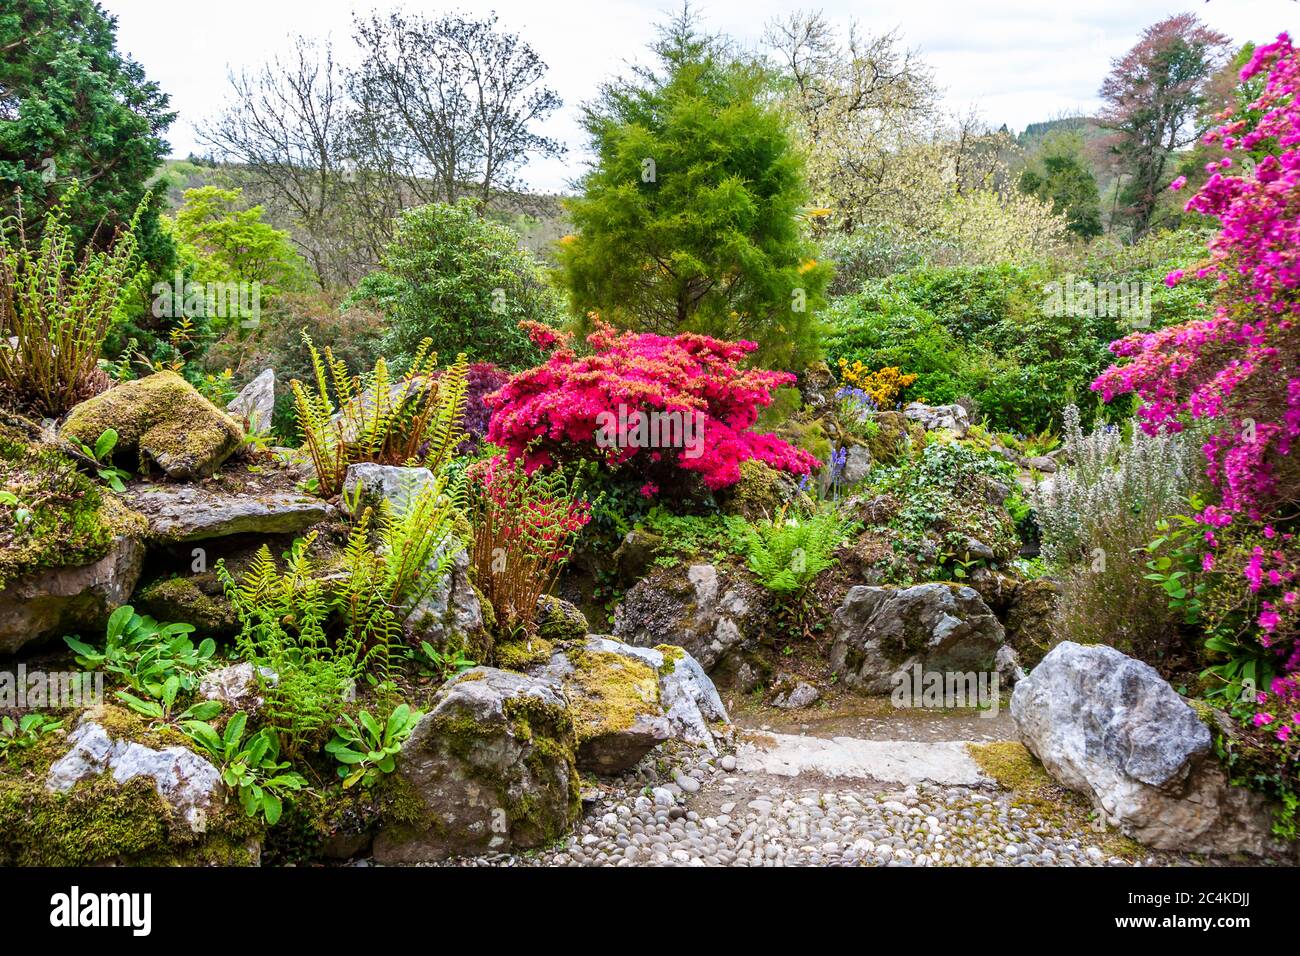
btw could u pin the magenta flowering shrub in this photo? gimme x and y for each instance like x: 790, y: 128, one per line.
x: 662, y: 405
x: 1238, y: 365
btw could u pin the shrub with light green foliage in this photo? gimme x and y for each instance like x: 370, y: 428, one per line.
x: 981, y: 334
x: 690, y: 218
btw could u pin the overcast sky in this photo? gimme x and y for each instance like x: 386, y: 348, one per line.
x: 1018, y: 61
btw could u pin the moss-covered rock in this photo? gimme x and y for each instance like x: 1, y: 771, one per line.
x: 161, y: 419
x: 559, y: 620
x: 626, y: 700
x: 617, y: 717
x: 1032, y: 618
x: 761, y: 492
x: 195, y: 599
x: 69, y: 550
x: 890, y: 440
x: 525, y: 653
x: 489, y: 767
x: 60, y: 517
x: 111, y: 810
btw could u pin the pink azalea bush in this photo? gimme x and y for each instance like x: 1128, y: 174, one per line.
x: 555, y: 412
x: 1237, y: 366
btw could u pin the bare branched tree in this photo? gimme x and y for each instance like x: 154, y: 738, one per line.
x: 449, y: 104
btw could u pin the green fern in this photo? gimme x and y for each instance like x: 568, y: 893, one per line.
x: 320, y: 636
x: 787, y: 554
x: 414, y: 420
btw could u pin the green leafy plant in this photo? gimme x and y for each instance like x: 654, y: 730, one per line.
x: 366, y: 749
x: 251, y: 767
x: 374, y: 417
x: 163, y: 707
x: 22, y: 514
x: 25, y: 732
x: 157, y: 660
x: 56, y: 309
x: 524, y: 528
x: 441, y: 665
x: 320, y: 637
x: 1237, y: 664
x: 103, y: 453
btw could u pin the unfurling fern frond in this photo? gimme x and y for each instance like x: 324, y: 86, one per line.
x: 416, y: 420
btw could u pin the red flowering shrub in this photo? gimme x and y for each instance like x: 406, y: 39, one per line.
x: 664, y: 404
x: 524, y: 527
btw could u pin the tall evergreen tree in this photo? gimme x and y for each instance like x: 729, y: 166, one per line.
x: 689, y: 219
x: 73, y: 107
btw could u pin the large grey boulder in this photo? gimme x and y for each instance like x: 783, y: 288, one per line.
x: 56, y: 601
x: 627, y: 700
x: 189, y: 785
x: 490, y: 767
x: 255, y: 403
x: 879, y: 631
x: 1110, y: 727
x: 693, y: 607
x: 177, y: 513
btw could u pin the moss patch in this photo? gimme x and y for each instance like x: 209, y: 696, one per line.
x: 521, y: 655
x: 62, y: 518
x: 889, y: 440
x: 609, y: 691
x: 760, y: 493
x: 1014, y: 768
x: 186, y: 599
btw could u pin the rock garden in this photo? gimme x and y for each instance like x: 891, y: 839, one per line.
x: 926, y: 574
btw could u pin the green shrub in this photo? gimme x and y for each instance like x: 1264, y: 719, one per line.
x: 460, y: 279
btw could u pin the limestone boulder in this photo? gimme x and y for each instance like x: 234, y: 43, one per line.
x: 490, y: 767
x: 879, y: 631
x: 696, y: 607
x: 1111, y: 728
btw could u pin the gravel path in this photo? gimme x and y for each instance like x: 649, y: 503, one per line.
x: 691, y: 809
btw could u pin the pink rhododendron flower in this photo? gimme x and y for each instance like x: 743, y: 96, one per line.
x: 1236, y: 368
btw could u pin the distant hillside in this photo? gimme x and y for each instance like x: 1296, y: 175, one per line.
x: 539, y: 219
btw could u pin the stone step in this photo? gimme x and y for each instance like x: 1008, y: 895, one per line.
x: 903, y: 762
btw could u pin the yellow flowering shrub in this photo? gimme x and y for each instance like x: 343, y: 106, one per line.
x: 884, y: 385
